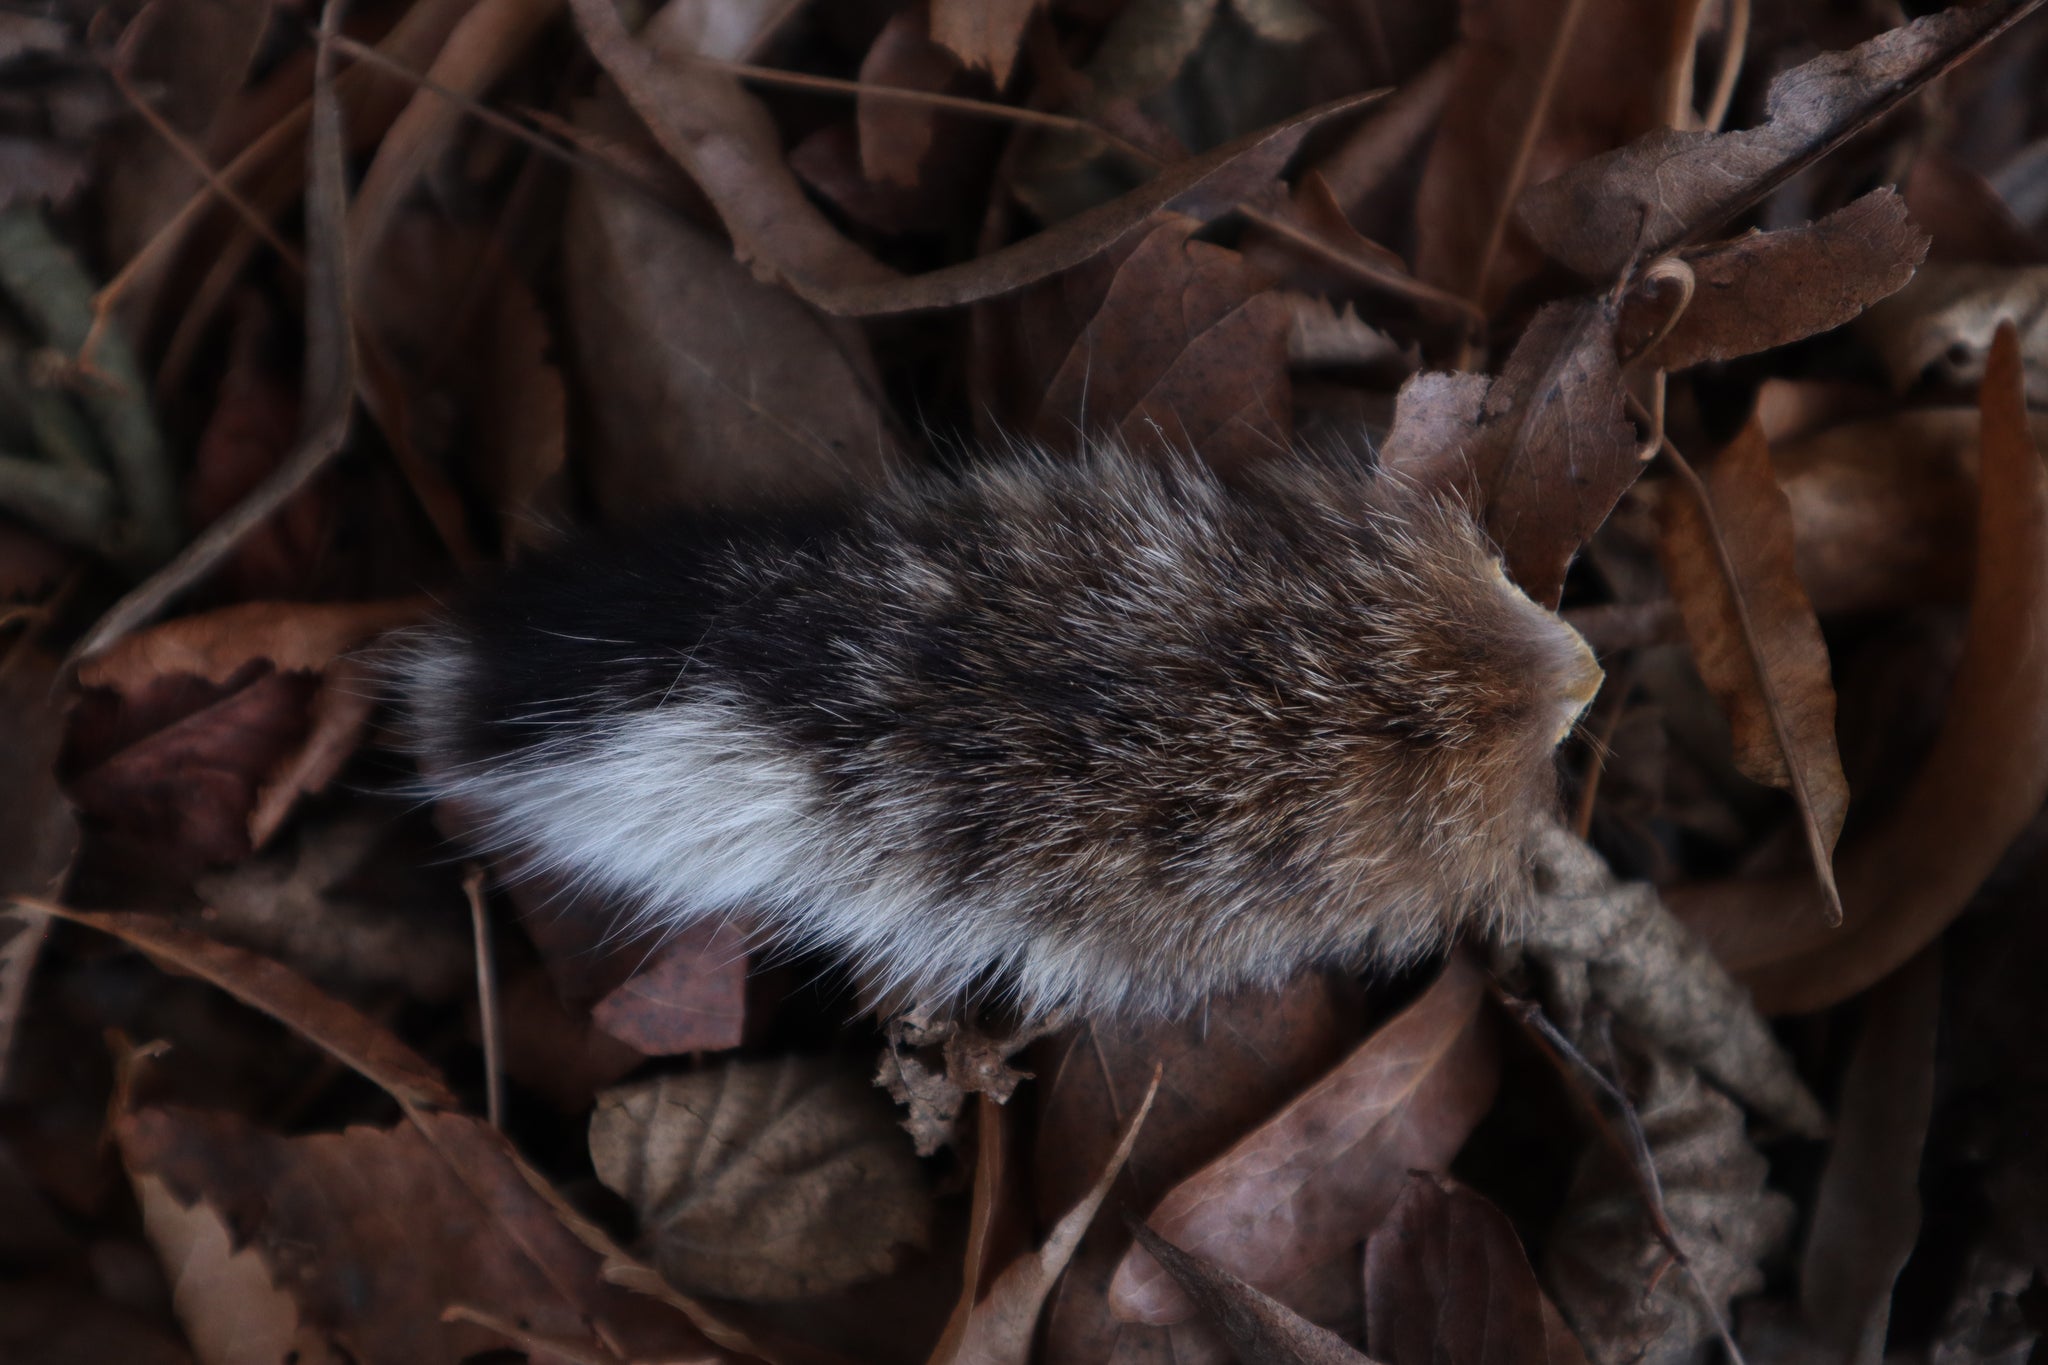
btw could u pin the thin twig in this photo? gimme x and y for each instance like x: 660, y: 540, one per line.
x: 486, y: 997
x: 1393, y: 281
x: 563, y: 151
x: 1525, y: 150
x: 959, y: 104
x: 330, y: 371
x: 193, y: 157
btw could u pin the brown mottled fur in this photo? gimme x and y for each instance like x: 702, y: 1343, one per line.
x: 1100, y: 733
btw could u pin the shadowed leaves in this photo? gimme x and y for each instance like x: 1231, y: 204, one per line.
x: 1302, y: 1187
x: 1447, y: 1283
x: 1668, y: 187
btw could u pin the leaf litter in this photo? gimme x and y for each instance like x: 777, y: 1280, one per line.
x: 702, y: 253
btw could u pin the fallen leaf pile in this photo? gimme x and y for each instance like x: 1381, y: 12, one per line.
x: 1728, y: 320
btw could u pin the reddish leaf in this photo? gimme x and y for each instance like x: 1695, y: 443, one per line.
x: 999, y: 1329
x: 337, y: 1028
x: 1984, y: 780
x: 1325, y: 1169
x: 178, y: 761
x: 1222, y: 1072
x: 725, y: 140
x: 375, y: 1233
x: 1261, y: 1329
x: 1447, y: 1283
x: 1668, y: 188
x: 291, y: 636
x: 1536, y: 88
x: 1762, y: 655
x: 690, y: 998
x: 1186, y: 353
x: 896, y: 134
x: 1771, y: 288
x: 1543, y: 448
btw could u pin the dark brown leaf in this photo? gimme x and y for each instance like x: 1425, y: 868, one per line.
x: 1983, y: 781
x: 1223, y: 1072
x: 1669, y: 188
x: 715, y: 387
x: 1186, y: 354
x: 1304, y: 1185
x: 339, y: 1029
x: 176, y: 763
x: 1536, y: 88
x: 1866, y: 1217
x: 691, y: 997
x: 896, y: 134
x: 1447, y: 1283
x: 1755, y: 639
x: 1261, y: 1329
x: 1771, y: 288
x: 1543, y: 448
x: 374, y: 1233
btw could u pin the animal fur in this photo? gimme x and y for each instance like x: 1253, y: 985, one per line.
x: 1107, y: 734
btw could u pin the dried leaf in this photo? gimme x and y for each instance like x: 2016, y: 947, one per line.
x: 1447, y: 1283
x: 763, y: 1180
x: 1187, y: 353
x: 983, y: 33
x: 896, y: 134
x: 1612, y: 1278
x: 339, y: 716
x: 1866, y: 1217
x: 231, y: 1310
x: 1261, y: 1329
x: 692, y: 997
x: 330, y: 385
x: 933, y: 1064
x: 525, y: 436
x: 375, y: 1232
x: 1912, y: 873
x: 1543, y: 448
x: 725, y: 140
x: 215, y: 645
x: 1755, y: 640
x: 1305, y: 1184
x: 1660, y: 981
x: 1222, y: 1072
x: 1535, y: 89
x: 350, y: 1037
x: 348, y: 906
x: 1669, y: 188
x: 716, y: 388
x: 1771, y: 288
x: 175, y: 764
x: 999, y: 1329
x: 1206, y: 187
x: 491, y: 37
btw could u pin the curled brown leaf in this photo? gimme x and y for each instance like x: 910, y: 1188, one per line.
x: 1328, y: 1166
